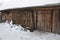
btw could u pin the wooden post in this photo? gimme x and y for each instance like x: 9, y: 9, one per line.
x: 0, y: 16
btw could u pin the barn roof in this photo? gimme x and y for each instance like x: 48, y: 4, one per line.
x: 26, y: 3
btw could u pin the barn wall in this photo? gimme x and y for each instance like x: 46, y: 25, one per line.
x: 48, y: 19
x: 43, y: 19
x: 22, y: 17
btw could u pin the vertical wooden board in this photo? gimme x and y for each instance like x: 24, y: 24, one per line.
x: 35, y: 19
x: 28, y: 16
x: 55, y: 20
x: 44, y: 20
x: 0, y: 17
x: 31, y: 21
x: 40, y: 23
x: 48, y: 22
x: 59, y: 23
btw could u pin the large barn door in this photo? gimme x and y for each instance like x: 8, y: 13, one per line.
x: 44, y: 20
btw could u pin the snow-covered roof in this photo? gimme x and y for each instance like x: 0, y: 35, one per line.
x: 10, y: 4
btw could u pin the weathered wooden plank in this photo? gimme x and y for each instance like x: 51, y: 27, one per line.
x: 59, y: 22
x: 44, y: 20
x: 40, y: 21
x: 55, y: 20
x: 48, y: 22
x: 0, y: 17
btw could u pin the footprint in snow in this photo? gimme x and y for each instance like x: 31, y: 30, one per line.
x: 0, y: 38
x: 21, y: 37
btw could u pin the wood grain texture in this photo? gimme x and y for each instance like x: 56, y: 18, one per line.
x: 55, y: 20
x: 44, y: 20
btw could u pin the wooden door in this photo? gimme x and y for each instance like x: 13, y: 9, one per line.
x: 44, y: 20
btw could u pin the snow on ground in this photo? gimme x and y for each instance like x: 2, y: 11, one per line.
x: 8, y: 31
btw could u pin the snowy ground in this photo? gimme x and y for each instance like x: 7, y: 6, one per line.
x: 14, y: 32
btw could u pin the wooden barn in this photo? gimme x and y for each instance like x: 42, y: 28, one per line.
x: 44, y: 18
